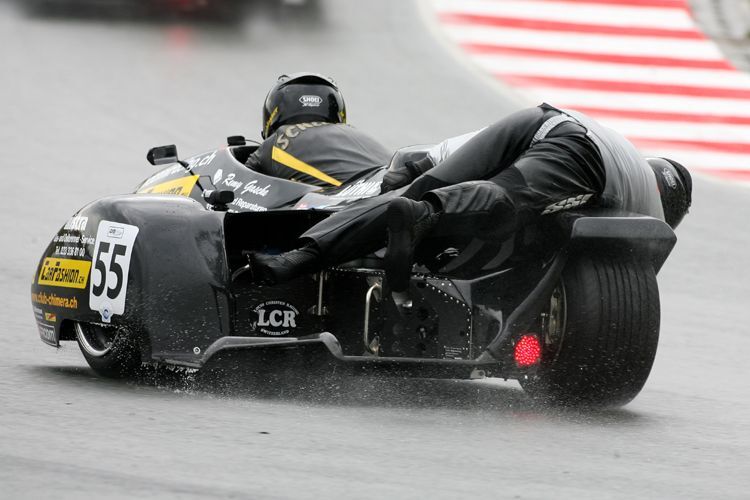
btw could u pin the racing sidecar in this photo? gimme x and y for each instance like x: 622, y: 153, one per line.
x: 569, y: 307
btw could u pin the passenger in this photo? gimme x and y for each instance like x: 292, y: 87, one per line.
x: 533, y: 163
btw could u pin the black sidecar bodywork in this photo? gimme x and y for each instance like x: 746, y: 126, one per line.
x: 162, y: 276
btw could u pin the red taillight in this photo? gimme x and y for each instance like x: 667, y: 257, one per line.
x: 528, y: 351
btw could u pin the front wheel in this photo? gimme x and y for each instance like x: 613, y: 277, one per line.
x: 110, y: 352
x: 600, y: 333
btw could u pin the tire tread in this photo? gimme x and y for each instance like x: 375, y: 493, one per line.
x: 612, y: 329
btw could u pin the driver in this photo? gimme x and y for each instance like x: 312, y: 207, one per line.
x: 530, y: 164
x: 306, y: 137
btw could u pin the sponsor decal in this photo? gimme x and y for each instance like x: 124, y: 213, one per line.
x: 38, y: 313
x: 456, y: 352
x: 66, y: 273
x: 69, y: 251
x: 67, y: 238
x: 669, y: 178
x: 253, y: 188
x: 291, y: 131
x: 231, y: 183
x: 201, y: 160
x: 167, y: 172
x: 69, y: 241
x: 181, y: 186
x: 109, y: 280
x: 77, y: 223
x: 311, y: 101
x: 248, y: 188
x: 246, y: 205
x: 51, y: 299
x: 50, y: 317
x: 360, y: 189
x: 47, y: 333
x: 217, y: 176
x: 567, y: 204
x: 115, y: 232
x: 275, y: 317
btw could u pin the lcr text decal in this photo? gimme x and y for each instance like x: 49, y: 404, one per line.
x: 275, y: 317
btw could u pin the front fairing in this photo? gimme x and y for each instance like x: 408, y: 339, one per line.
x: 61, y: 289
x: 219, y: 170
x: 253, y: 191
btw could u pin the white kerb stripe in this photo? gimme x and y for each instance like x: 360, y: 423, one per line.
x: 552, y: 67
x: 679, y: 131
x: 573, y: 98
x: 586, y: 43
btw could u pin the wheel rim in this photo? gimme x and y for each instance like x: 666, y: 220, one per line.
x: 94, y: 340
x: 554, y: 333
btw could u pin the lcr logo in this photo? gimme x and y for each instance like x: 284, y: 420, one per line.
x: 275, y: 317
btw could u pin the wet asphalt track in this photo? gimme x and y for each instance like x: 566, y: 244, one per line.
x: 81, y: 100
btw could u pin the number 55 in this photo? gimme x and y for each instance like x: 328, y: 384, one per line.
x: 104, y: 270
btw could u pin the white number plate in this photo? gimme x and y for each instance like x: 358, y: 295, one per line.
x: 109, y: 278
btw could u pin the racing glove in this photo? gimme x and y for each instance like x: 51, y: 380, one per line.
x: 401, y: 177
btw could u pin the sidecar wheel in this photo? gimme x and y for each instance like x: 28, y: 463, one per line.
x: 110, y: 352
x: 600, y: 334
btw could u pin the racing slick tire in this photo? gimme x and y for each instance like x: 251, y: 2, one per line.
x: 110, y: 352
x: 600, y: 334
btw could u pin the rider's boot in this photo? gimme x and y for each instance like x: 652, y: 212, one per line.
x: 272, y: 269
x: 408, y: 223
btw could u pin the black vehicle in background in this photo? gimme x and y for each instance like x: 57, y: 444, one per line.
x: 223, y: 11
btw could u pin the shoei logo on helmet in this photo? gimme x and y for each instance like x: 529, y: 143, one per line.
x: 669, y: 178
x: 275, y: 317
x: 312, y: 101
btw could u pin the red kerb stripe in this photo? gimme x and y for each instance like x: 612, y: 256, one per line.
x: 482, y: 48
x: 619, y: 86
x: 665, y: 4
x: 544, y: 25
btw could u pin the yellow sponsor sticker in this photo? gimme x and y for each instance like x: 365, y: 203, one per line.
x: 66, y: 273
x: 182, y: 186
x: 51, y: 317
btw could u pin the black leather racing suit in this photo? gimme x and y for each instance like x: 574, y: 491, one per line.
x: 532, y: 163
x: 318, y: 153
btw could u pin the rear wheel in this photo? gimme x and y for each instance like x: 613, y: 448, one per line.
x: 109, y: 351
x: 601, y: 333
